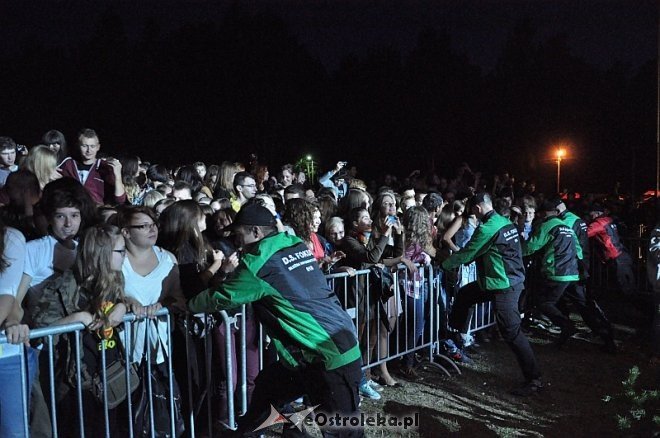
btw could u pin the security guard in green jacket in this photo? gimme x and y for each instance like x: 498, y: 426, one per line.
x: 579, y: 227
x: 314, y: 336
x: 495, y: 245
x: 559, y: 254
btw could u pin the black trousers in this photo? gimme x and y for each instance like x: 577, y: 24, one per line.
x: 552, y: 292
x: 624, y: 273
x: 591, y: 313
x: 336, y: 391
x: 508, y: 321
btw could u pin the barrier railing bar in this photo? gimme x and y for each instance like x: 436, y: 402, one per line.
x: 51, y: 379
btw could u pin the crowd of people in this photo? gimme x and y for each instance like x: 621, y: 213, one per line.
x: 88, y: 238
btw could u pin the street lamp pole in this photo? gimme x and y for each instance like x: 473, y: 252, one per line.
x: 560, y: 155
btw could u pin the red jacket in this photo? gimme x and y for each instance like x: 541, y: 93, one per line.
x: 605, y: 232
x: 100, y: 183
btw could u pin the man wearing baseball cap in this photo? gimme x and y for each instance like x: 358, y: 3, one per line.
x: 579, y: 227
x: 314, y: 336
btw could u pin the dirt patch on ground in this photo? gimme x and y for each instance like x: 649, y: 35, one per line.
x: 579, y: 378
x: 583, y: 394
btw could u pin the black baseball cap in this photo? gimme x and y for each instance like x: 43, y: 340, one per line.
x: 478, y: 198
x: 253, y: 214
x: 596, y: 206
x: 551, y: 204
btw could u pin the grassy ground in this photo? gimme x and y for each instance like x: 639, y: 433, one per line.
x: 582, y: 398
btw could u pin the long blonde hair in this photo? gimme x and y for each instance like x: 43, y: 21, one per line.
x: 92, y: 268
x: 417, y: 222
x: 41, y: 161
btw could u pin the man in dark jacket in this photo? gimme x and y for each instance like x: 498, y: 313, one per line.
x: 314, y: 336
x: 495, y: 245
x: 579, y: 227
x: 560, y: 253
x: 604, y: 231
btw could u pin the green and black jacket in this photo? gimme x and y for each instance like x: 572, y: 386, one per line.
x: 559, y: 250
x: 495, y: 245
x: 293, y: 301
x: 579, y: 227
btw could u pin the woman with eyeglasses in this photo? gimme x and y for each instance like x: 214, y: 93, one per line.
x: 151, y: 272
x: 152, y: 282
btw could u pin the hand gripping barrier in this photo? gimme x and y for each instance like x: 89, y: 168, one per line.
x: 405, y: 325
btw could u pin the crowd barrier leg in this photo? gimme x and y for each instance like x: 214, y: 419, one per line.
x: 51, y: 382
x: 231, y: 420
x: 209, y: 324
x: 129, y: 402
x: 150, y: 390
x: 190, y: 421
x: 243, y: 350
x: 24, y: 386
x: 170, y: 377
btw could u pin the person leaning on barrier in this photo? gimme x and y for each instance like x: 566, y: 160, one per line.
x: 579, y: 227
x: 92, y: 293
x: 12, y: 410
x: 495, y: 245
x: 315, y: 338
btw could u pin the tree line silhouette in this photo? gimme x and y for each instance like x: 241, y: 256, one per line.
x: 216, y: 90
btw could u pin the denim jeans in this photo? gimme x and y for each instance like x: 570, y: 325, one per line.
x: 11, y: 394
x: 414, y: 323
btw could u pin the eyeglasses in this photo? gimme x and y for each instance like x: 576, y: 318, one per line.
x: 144, y: 227
x: 248, y: 185
x: 120, y: 251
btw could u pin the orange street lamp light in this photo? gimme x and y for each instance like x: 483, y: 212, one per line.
x: 561, y: 153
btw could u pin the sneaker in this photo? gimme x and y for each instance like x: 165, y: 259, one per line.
x: 530, y: 388
x: 565, y: 335
x: 449, y: 349
x: 467, y: 340
x: 375, y: 386
x: 367, y: 391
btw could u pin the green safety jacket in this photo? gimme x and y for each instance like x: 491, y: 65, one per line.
x: 495, y: 245
x: 293, y: 301
x: 559, y: 247
x: 579, y: 227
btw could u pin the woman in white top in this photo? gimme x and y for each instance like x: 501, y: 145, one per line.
x: 12, y: 255
x: 151, y: 279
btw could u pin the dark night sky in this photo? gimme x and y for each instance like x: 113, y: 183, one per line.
x: 603, y: 32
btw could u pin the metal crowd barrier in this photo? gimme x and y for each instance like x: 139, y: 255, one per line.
x: 603, y: 277
x: 416, y: 312
x: 61, y: 423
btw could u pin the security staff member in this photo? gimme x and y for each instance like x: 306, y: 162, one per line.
x: 314, y: 336
x: 560, y: 252
x: 495, y: 245
x: 612, y: 251
x: 579, y: 227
